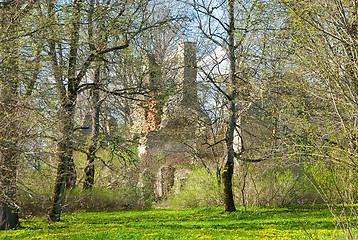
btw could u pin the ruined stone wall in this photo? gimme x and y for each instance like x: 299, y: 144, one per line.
x: 172, y: 134
x: 147, y: 114
x: 153, y: 112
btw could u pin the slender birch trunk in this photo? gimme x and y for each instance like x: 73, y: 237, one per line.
x: 228, y: 169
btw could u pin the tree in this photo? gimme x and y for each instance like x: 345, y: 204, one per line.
x: 11, y: 112
x: 9, y: 135
x: 325, y: 36
x: 117, y: 22
x: 230, y: 93
x: 228, y: 170
x: 240, y: 32
x: 68, y: 85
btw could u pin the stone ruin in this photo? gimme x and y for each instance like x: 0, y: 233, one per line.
x: 171, y: 133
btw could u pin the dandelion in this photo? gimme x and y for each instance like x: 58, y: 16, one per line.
x: 200, y: 236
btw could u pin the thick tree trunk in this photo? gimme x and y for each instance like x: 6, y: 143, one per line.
x: 8, y: 210
x: 90, y: 169
x: 59, y: 190
x: 9, y: 217
x: 228, y: 170
x: 66, y: 174
x: 65, y: 153
x: 9, y: 123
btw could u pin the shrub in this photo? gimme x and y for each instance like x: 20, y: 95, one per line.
x: 99, y: 199
x: 336, y: 183
x: 270, y: 184
x: 200, y: 190
x: 34, y: 191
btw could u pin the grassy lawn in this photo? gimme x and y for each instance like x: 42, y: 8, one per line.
x: 206, y: 223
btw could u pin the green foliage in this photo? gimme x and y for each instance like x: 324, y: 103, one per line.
x: 336, y: 183
x: 205, y: 223
x: 100, y: 199
x: 200, y: 190
x: 265, y: 184
x: 270, y: 184
x: 34, y: 195
x: 115, y: 186
x: 97, y: 199
x: 113, y: 168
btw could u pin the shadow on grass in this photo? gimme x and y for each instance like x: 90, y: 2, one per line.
x: 288, y: 218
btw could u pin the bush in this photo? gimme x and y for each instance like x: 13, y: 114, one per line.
x: 99, y: 199
x: 113, y: 190
x: 34, y: 191
x: 89, y: 200
x: 270, y: 184
x: 31, y: 206
x: 336, y: 183
x: 266, y: 184
x: 200, y: 190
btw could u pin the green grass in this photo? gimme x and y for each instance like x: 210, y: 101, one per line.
x: 205, y: 223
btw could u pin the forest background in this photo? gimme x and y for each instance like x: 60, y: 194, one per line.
x: 277, y: 83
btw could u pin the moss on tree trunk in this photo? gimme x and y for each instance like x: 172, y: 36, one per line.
x: 59, y: 189
x: 227, y: 183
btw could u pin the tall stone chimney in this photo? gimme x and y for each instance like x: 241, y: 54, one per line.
x: 154, y: 79
x: 182, y: 128
x: 187, y: 73
x: 147, y: 113
x: 153, y: 108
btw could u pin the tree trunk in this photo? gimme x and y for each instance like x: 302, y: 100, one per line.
x: 95, y: 105
x: 9, y: 217
x: 8, y: 209
x: 9, y: 136
x: 72, y: 174
x: 228, y: 169
x: 9, y: 122
x: 89, y: 173
x: 66, y: 174
x: 65, y: 153
x: 90, y: 169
